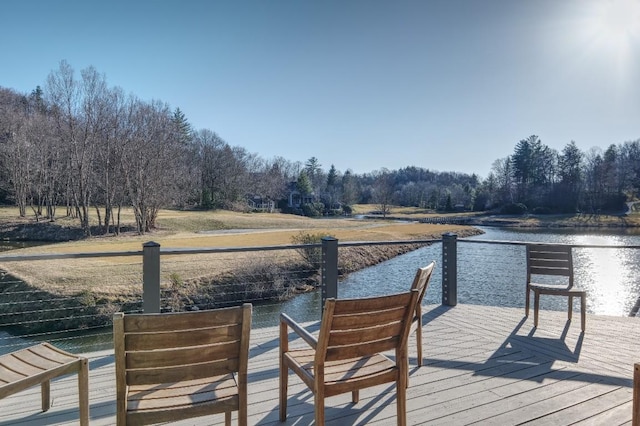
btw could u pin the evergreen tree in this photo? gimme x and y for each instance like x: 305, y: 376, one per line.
x: 570, y: 174
x: 182, y: 127
x: 303, y: 185
x: 332, y: 177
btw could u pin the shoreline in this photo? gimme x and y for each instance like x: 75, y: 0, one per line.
x: 527, y: 221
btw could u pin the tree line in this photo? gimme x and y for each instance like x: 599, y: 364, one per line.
x: 537, y: 178
x: 77, y: 143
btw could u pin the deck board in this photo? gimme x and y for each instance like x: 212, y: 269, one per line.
x: 484, y: 365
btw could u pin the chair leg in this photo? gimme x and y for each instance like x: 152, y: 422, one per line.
x: 284, y: 379
x: 526, y: 302
x: 227, y: 418
x: 583, y: 311
x: 83, y: 392
x: 319, y: 407
x: 355, y: 396
x: 401, y: 402
x: 419, y: 342
x: 46, y: 395
x: 570, y: 308
x: 536, y: 307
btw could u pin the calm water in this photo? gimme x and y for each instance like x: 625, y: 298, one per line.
x: 492, y: 274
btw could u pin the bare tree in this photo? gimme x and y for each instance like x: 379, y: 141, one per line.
x: 109, y: 182
x: 76, y: 115
x: 383, y: 191
x: 17, y: 156
x: 150, y: 162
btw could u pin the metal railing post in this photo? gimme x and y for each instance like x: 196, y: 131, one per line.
x: 449, y: 269
x: 329, y: 282
x: 151, y: 278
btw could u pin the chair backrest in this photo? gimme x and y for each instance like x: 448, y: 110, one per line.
x: 354, y: 328
x: 549, y: 259
x: 421, y: 281
x: 172, y: 347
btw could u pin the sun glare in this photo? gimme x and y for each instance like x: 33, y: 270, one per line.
x: 616, y: 23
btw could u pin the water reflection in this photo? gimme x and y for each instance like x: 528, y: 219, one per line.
x: 609, y: 274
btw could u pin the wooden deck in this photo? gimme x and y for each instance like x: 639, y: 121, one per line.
x: 484, y: 365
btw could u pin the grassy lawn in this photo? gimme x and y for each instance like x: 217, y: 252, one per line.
x: 231, y: 229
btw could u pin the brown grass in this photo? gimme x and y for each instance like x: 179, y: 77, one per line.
x: 179, y: 229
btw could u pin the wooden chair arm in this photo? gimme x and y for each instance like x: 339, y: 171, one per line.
x: 299, y: 330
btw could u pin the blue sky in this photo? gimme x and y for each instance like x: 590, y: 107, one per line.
x: 447, y: 85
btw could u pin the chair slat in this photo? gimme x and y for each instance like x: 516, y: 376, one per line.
x: 174, y: 414
x: 14, y: 363
x: 536, y: 270
x: 172, y: 401
x: 9, y: 375
x: 181, y: 356
x: 360, y: 350
x: 384, y: 376
x: 146, y: 376
x: 187, y: 387
x: 341, y: 369
x: 182, y: 338
x: 181, y: 320
x: 360, y: 320
x: 363, y: 335
x: 540, y: 261
x: 355, y: 306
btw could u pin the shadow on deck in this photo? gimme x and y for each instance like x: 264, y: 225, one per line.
x: 482, y: 364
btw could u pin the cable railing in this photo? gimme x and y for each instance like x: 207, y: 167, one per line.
x: 69, y: 298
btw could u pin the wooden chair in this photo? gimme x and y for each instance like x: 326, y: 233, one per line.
x: 39, y: 364
x: 420, y: 283
x: 180, y: 365
x: 556, y: 260
x: 346, y: 356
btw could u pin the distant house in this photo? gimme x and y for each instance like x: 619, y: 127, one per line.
x: 258, y: 203
x: 297, y: 200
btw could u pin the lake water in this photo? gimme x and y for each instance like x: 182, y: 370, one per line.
x: 493, y: 274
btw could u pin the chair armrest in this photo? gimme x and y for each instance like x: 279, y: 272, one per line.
x: 299, y: 330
